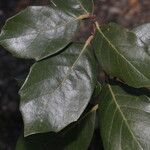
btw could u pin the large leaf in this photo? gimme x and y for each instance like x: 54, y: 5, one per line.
x: 74, y: 7
x: 58, y: 89
x: 121, y: 56
x: 76, y: 137
x: 38, y: 32
x: 124, y: 120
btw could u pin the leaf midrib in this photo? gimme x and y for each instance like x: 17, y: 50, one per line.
x: 123, y: 116
x: 71, y: 68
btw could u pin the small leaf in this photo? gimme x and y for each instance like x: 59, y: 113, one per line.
x: 120, y: 55
x: 74, y: 7
x: 38, y: 32
x: 124, y: 120
x: 143, y: 32
x: 57, y: 90
x: 76, y: 137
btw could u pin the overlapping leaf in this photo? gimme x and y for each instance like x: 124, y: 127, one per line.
x: 38, y: 32
x: 57, y: 90
x: 143, y: 32
x: 121, y: 56
x: 76, y: 137
x: 124, y: 120
x: 74, y: 7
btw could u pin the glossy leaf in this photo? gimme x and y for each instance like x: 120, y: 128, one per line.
x: 38, y: 32
x: 124, y: 120
x: 74, y: 7
x: 58, y: 89
x: 75, y: 137
x: 143, y: 32
x: 120, y: 55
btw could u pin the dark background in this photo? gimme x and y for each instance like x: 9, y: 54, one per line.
x: 129, y: 13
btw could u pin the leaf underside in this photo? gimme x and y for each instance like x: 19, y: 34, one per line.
x: 124, y: 120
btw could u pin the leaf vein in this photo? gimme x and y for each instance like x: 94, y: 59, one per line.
x: 123, y: 116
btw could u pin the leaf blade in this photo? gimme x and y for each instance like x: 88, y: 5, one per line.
x: 120, y: 55
x: 41, y: 31
x: 74, y: 7
x: 124, y: 119
x: 63, y: 88
x: 143, y: 33
x: 78, y: 136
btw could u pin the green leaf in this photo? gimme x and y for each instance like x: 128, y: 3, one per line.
x: 38, y: 32
x: 76, y: 137
x: 58, y: 89
x: 74, y: 7
x: 143, y: 32
x: 120, y: 55
x: 124, y: 120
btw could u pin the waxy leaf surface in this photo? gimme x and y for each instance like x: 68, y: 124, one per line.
x: 38, y: 32
x: 57, y: 90
x: 76, y: 137
x: 121, y: 56
x: 143, y: 33
x: 124, y: 120
x: 74, y: 8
